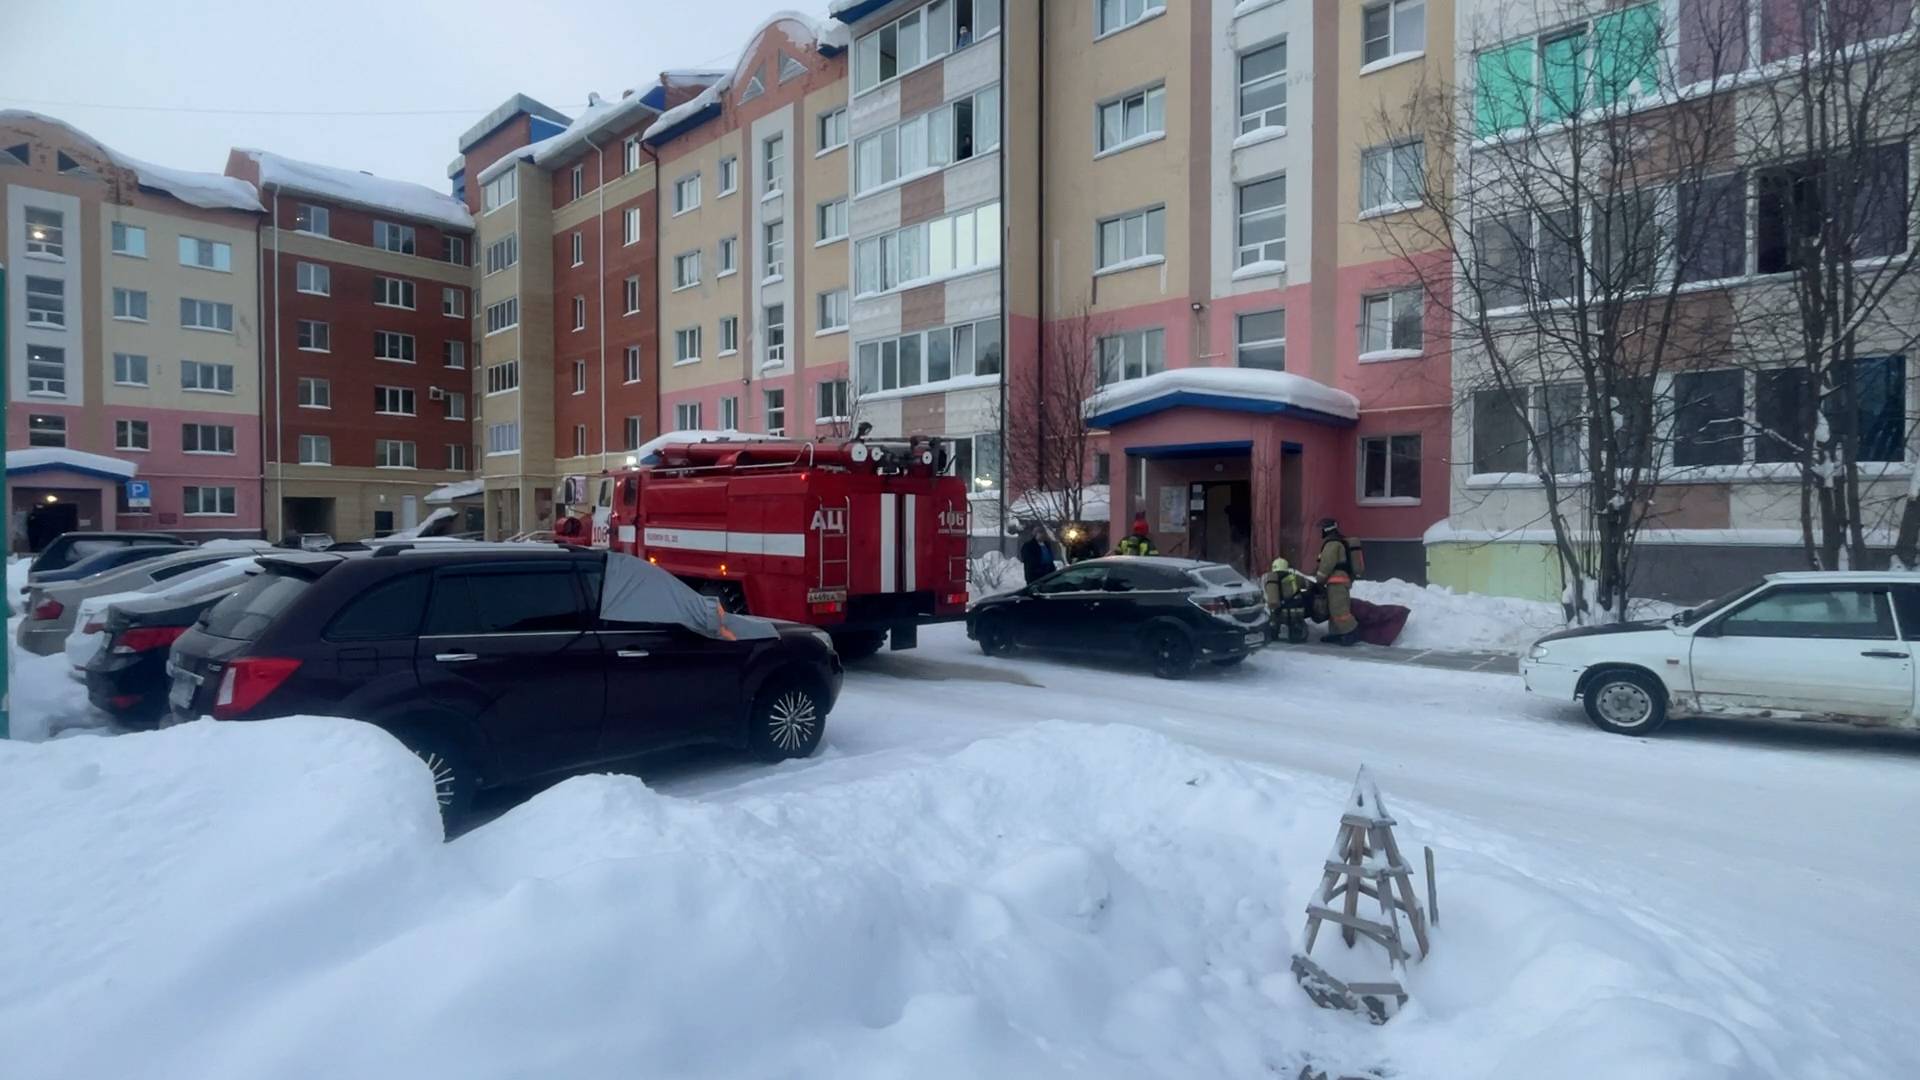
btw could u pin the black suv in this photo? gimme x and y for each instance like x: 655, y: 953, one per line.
x: 1172, y: 613
x: 495, y: 664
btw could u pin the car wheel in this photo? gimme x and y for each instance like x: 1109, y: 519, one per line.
x: 789, y: 717
x: 995, y: 638
x: 1171, y: 654
x: 1626, y: 702
x: 853, y: 647
x: 456, y: 777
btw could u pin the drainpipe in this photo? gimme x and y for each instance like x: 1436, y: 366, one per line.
x: 659, y: 421
x: 279, y: 391
x: 600, y: 242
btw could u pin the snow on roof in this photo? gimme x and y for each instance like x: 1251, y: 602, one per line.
x: 60, y: 457
x: 363, y: 189
x: 1279, y: 387
x: 209, y: 191
x: 599, y: 115
x: 463, y: 489
x: 673, y: 117
x: 824, y: 34
x: 698, y: 435
x: 507, y: 110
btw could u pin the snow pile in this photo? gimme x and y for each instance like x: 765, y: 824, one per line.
x: 1444, y: 619
x: 992, y: 573
x: 18, y: 567
x: 1279, y: 387
x: 248, y: 900
x: 45, y: 700
x: 362, y: 189
x: 687, y: 109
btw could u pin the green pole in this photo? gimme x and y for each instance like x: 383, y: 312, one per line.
x: 6, y: 505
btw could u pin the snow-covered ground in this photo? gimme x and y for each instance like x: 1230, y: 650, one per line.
x: 1444, y: 619
x: 1016, y: 867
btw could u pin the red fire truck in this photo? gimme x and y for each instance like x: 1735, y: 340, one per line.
x: 865, y: 539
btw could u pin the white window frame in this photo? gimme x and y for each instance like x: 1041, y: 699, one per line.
x: 827, y: 126
x: 313, y: 335
x: 194, y: 498
x: 1396, y: 50
x: 393, y: 292
x: 1112, y: 16
x: 578, y: 250
x: 834, y: 310
x: 503, y: 377
x: 395, y: 401
x: 394, y: 347
x: 453, y: 354
x: 773, y: 408
x: 132, y: 435
x: 730, y: 413
x: 729, y: 175
x: 1371, y: 349
x: 927, y: 49
x: 630, y: 227
x: 831, y: 401
x: 927, y: 143
x: 578, y: 181
x: 312, y: 219
x: 1400, y: 181
x: 1145, y: 104
x: 395, y: 237
x: 503, y: 315
x: 686, y: 270
x: 630, y: 156
x: 453, y: 302
x: 123, y: 369
x: 631, y: 430
x: 1264, y: 119
x: 579, y: 314
x: 203, y: 372
x: 203, y: 434
x: 773, y: 332
x: 1262, y: 250
x: 395, y: 454
x: 579, y: 377
x: 46, y: 357
x: 500, y: 191
x: 1140, y: 344
x: 686, y: 416
x: 729, y: 256
x: 46, y: 301
x: 1385, y: 444
x: 1241, y: 343
x: 773, y: 250
x: 686, y: 345
x: 830, y: 221
x: 457, y: 457
x: 729, y: 335
x: 503, y: 254
x: 218, y: 254
x: 124, y: 303
x: 631, y: 361
x: 456, y: 405
x: 313, y: 279
x: 316, y: 450
x: 314, y: 393
x: 1147, y: 225
x: 211, y: 310
x: 52, y: 243
x: 686, y: 194
x: 631, y: 295
x: 773, y: 158
x: 503, y: 439
x: 122, y: 236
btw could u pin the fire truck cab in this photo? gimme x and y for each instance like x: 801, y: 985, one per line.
x: 866, y: 540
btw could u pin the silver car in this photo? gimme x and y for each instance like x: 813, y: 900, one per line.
x: 52, y: 608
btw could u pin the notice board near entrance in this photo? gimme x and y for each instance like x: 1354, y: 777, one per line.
x: 1173, y: 508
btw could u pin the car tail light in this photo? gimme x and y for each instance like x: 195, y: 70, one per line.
x: 49, y: 609
x: 93, y: 626
x: 247, y: 683
x: 954, y: 598
x: 1213, y: 605
x: 146, y: 639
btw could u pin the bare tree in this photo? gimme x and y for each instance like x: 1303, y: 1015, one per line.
x: 1047, y: 451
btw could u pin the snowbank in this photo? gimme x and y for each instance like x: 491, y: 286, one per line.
x: 18, y: 567
x: 249, y: 900
x: 1444, y: 619
x: 1279, y: 387
x: 362, y: 189
x: 992, y: 573
x: 45, y: 700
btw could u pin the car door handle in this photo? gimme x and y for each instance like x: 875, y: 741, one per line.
x: 632, y: 654
x: 1886, y: 654
x: 455, y: 657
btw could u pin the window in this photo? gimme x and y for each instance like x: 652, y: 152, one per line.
x: 579, y: 440
x: 944, y: 247
x: 1814, y: 613
x: 953, y: 132
x: 453, y: 354
x: 129, y: 369
x: 729, y: 255
x: 206, y: 378
x: 1132, y: 118
x: 393, y: 400
x: 46, y: 369
x: 774, y: 237
x: 833, y: 310
x: 46, y: 235
x: 503, y: 438
x: 579, y: 376
x: 393, y: 292
x: 1880, y: 425
x: 950, y: 352
x: 1133, y: 237
x: 503, y: 315
x: 206, y: 315
x: 198, y: 501
x: 686, y: 345
x: 630, y: 154
x: 832, y: 220
x: 579, y: 246
x: 729, y: 414
x: 1615, y: 56
x: 47, y: 302
x: 206, y: 254
x: 1390, y: 468
x: 1263, y: 88
x: 453, y: 302
x: 206, y: 438
x: 524, y: 601
x: 686, y: 270
x: 1627, y: 243
x: 308, y: 218
x: 315, y: 394
x: 729, y: 175
x: 776, y: 406
x: 1792, y: 219
x: 500, y: 191
x: 630, y: 295
x: 833, y: 129
x: 1499, y: 433
x: 686, y: 416
x: 316, y: 450
x: 686, y: 193
x: 1391, y: 177
x: 1132, y: 355
x: 1262, y: 337
x: 1561, y: 419
x: 388, y: 345
x: 1117, y: 15
x: 577, y: 182
x: 389, y: 611
x: 1711, y: 218
x: 503, y: 376
x: 129, y: 240
x: 393, y: 237
x: 1395, y: 28
x: 1263, y: 222
x: 632, y: 364
x: 453, y: 249
x: 1391, y: 322
x: 773, y: 163
x: 630, y: 432
x: 315, y: 279
x: 729, y: 334
x: 776, y: 333
x: 132, y: 304
x: 43, y: 430
x: 1709, y: 418
x: 394, y: 454
x: 579, y: 313
x: 131, y: 435
x: 831, y: 400
x: 630, y: 226
x: 503, y: 253
x: 456, y: 405
x: 457, y: 457
x: 311, y: 335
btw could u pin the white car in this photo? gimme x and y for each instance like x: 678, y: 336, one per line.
x: 1833, y: 646
x: 87, y: 637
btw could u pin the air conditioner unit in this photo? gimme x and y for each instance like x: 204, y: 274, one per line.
x: 434, y: 393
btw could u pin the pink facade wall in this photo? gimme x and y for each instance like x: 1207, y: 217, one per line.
x: 166, y: 466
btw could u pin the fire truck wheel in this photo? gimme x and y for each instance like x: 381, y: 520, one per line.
x: 853, y: 647
x: 1170, y: 652
x: 789, y: 717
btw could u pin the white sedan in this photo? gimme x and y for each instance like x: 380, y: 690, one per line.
x: 1831, y: 646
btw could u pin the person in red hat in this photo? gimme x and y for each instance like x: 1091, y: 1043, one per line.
x: 1138, y: 542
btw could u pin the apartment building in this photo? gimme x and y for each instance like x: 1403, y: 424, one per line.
x: 133, y: 346
x: 753, y: 240
x: 365, y: 305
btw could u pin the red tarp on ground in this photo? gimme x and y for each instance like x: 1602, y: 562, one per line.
x: 1380, y: 624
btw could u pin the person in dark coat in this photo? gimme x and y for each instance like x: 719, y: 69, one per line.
x: 1037, y: 559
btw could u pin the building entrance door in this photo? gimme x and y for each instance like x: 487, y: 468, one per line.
x: 48, y: 521
x: 1293, y: 523
x: 1220, y: 522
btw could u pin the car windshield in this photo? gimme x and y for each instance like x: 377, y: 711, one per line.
x: 1695, y: 614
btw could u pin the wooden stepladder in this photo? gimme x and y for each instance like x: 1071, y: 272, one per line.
x: 1365, y: 861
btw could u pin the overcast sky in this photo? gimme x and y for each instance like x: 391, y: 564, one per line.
x: 443, y: 63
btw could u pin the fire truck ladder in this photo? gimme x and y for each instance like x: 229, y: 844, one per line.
x: 836, y: 552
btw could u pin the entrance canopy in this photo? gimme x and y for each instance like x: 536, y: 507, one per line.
x: 39, y: 459
x: 636, y: 591
x: 1248, y: 390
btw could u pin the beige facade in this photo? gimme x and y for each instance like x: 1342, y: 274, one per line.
x: 520, y: 481
x: 718, y: 293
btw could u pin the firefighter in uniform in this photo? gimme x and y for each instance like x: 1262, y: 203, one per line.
x: 1286, y: 602
x: 1137, y: 542
x: 1336, y: 570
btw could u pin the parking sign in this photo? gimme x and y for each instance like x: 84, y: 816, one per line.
x: 139, y: 495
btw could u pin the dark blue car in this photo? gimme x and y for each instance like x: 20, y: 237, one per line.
x: 107, y: 560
